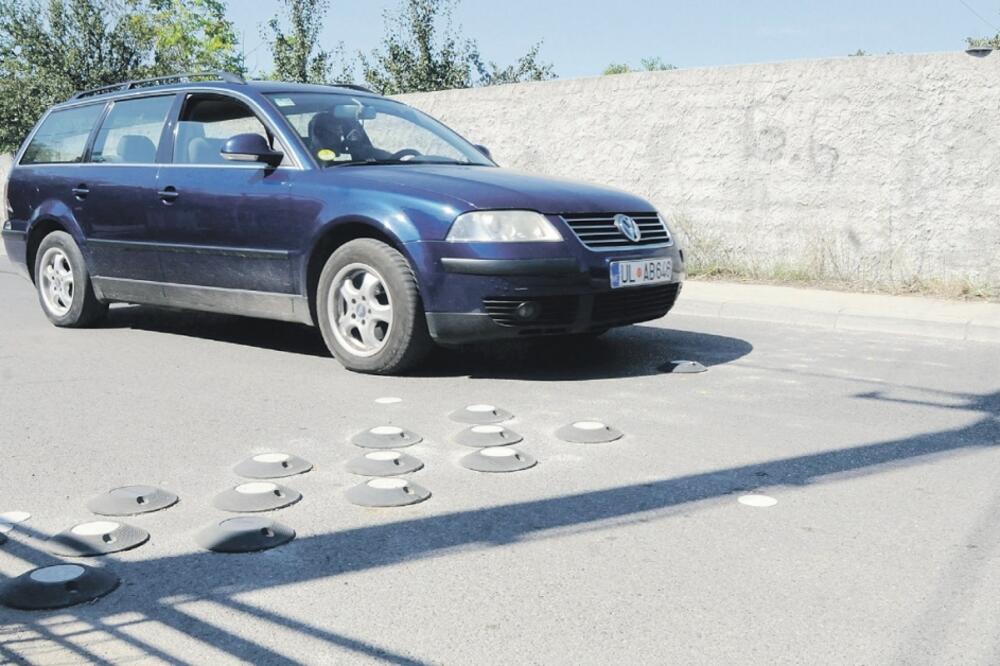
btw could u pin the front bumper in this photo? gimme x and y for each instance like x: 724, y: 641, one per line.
x: 471, y: 292
x: 562, y: 315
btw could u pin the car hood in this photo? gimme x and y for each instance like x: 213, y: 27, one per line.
x: 494, y: 188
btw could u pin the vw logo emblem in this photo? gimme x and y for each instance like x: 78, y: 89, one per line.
x: 629, y: 228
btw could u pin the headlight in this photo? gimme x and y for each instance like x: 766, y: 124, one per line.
x: 503, y: 226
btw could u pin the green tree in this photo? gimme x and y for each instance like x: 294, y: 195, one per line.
x: 51, y: 48
x: 294, y: 49
x: 654, y: 64
x: 993, y: 42
x: 527, y: 68
x: 422, y: 51
x: 192, y: 34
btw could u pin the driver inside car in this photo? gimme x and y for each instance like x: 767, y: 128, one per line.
x: 343, y: 136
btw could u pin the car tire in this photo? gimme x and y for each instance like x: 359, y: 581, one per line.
x: 62, y: 280
x: 369, y: 309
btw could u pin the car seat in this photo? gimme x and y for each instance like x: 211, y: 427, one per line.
x: 136, y: 149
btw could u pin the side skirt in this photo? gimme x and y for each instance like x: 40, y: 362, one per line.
x: 284, y: 307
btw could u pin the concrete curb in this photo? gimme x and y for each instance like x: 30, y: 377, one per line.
x: 902, y: 315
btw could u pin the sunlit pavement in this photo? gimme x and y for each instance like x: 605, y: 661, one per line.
x: 881, y: 452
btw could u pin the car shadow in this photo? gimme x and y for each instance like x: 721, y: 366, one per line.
x: 633, y: 351
x: 247, y: 331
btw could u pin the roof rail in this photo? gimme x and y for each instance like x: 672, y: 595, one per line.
x: 354, y: 86
x: 166, y: 79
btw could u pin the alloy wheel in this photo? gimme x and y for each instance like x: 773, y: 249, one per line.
x: 360, y: 309
x: 57, y: 282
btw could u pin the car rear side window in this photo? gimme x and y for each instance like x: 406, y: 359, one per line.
x: 131, y: 131
x: 62, y: 136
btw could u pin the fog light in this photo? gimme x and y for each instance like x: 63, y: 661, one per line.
x: 528, y: 311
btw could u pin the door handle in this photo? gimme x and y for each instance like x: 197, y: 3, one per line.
x: 168, y: 194
x: 81, y: 191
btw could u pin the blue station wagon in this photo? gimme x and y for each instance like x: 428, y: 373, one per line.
x: 326, y: 205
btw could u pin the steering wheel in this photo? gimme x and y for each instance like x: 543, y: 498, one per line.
x: 405, y: 152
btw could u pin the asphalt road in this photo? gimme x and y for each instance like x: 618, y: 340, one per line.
x: 882, y: 453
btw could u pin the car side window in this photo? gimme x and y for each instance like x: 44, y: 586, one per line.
x: 131, y: 131
x: 62, y: 137
x: 208, y: 121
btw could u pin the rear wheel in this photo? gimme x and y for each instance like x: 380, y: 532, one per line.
x: 63, y: 282
x: 369, y: 309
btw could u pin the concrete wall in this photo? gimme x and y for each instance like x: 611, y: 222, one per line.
x: 872, y: 171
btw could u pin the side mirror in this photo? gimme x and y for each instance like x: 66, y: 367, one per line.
x: 250, y: 148
x: 485, y: 151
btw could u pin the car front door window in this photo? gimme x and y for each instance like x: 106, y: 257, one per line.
x: 207, y: 122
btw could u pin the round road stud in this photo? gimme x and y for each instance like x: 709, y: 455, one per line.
x: 383, y: 463
x: 13, y: 517
x: 386, y: 437
x: 131, y: 501
x: 757, y: 501
x: 486, y: 435
x: 481, y: 414
x: 244, y: 534
x: 57, y: 586
x: 588, y: 432
x: 272, y: 466
x: 683, y: 367
x: 386, y: 492
x: 256, y: 496
x: 8, y: 520
x: 99, y: 537
x: 500, y: 459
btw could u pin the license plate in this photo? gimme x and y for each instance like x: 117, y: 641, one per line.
x: 638, y: 273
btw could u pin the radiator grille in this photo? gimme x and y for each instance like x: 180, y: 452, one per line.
x: 598, y: 231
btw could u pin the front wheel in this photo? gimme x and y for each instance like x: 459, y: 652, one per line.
x: 63, y: 283
x: 369, y: 309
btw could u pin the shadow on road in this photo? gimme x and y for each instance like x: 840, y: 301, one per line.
x: 632, y: 351
x: 166, y: 584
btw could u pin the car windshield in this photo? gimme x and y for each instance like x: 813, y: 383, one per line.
x: 344, y: 130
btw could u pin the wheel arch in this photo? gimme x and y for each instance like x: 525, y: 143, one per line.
x: 36, y: 234
x: 335, y: 235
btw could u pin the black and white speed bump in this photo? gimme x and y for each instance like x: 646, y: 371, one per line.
x: 386, y: 492
x: 588, y: 432
x: 683, y: 367
x: 481, y: 414
x: 272, y: 466
x: 482, y: 436
x: 99, y: 537
x: 244, y: 534
x: 386, y: 437
x: 500, y: 459
x: 256, y: 496
x: 57, y: 586
x: 383, y: 463
x: 131, y: 501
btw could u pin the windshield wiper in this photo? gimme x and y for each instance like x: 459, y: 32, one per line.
x: 363, y: 163
x: 374, y: 162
